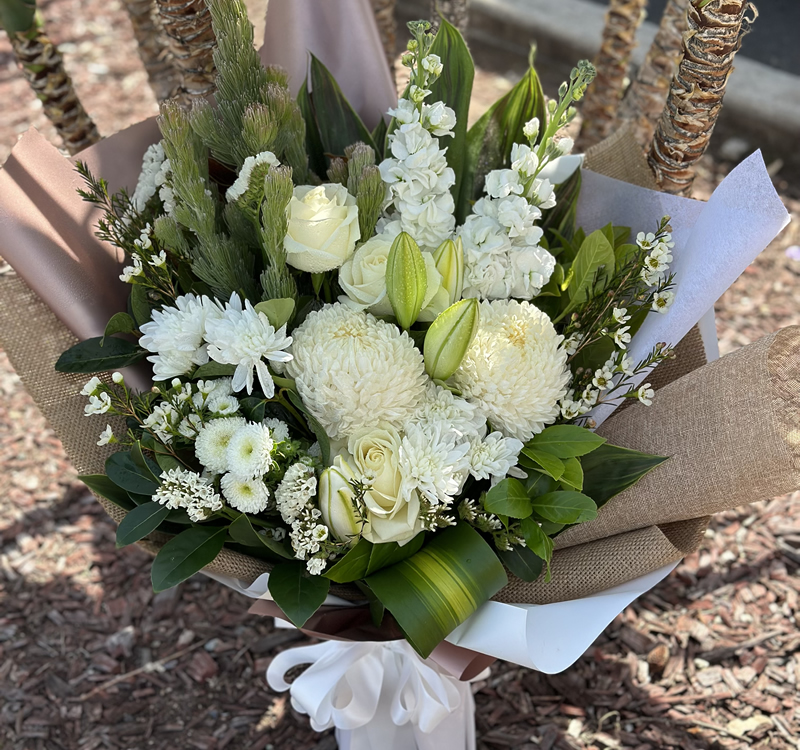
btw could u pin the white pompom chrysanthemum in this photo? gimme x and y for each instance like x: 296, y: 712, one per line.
x: 515, y: 371
x: 353, y: 370
x: 278, y: 429
x: 245, y: 494
x: 212, y: 443
x: 494, y: 456
x: 249, y: 451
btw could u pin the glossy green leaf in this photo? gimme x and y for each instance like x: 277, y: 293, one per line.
x: 454, y: 88
x: 139, y: 522
x: 538, y: 542
x: 406, y: 279
x: 565, y: 506
x: 186, y: 554
x: 539, y: 483
x: 383, y: 555
x: 591, y: 269
x: 123, y: 471
x: 213, y: 370
x: 147, y: 466
x: 101, y: 485
x: 573, y: 474
x: 93, y: 356
x: 567, y: 441
x: 166, y: 462
x: 16, y: 16
x: 610, y: 469
x: 297, y: 593
x: 243, y: 532
x: 353, y: 566
x: 508, y: 498
x: 120, y: 322
x: 440, y: 586
x: 549, y: 463
x: 316, y: 153
x: 279, y: 311
x: 140, y: 306
x: 522, y: 562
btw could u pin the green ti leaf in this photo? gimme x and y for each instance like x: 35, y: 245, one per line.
x: 186, y: 554
x: 297, y: 593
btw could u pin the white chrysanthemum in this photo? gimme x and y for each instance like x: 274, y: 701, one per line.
x: 188, y: 490
x: 494, y: 456
x: 222, y: 404
x: 278, y: 429
x: 515, y: 371
x: 459, y: 415
x: 294, y: 493
x: 146, y: 184
x: 211, y: 446
x: 353, y: 370
x: 249, y: 451
x: 244, y: 337
x: 175, y: 335
x: 433, y: 461
x: 239, y: 187
x: 245, y: 494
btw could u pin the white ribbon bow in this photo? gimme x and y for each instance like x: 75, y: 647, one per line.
x: 378, y: 695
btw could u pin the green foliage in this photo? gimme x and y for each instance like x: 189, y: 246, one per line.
x: 101, y: 485
x: 17, y: 16
x: 95, y: 355
x: 186, y: 554
x: 522, y: 562
x: 297, y: 593
x: 566, y: 441
x: 125, y: 473
x: 610, y: 470
x: 508, y: 498
x: 243, y: 532
x: 139, y: 522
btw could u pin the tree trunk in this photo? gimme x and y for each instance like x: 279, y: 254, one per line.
x: 645, y: 98
x: 605, y: 93
x: 695, y: 96
x: 187, y: 23
x: 387, y: 27
x: 455, y: 11
x: 153, y: 47
x: 43, y: 66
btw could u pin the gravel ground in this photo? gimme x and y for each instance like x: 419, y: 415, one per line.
x: 90, y: 658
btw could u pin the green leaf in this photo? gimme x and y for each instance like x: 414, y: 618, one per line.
x: 101, y: 485
x: 149, y: 469
x: 508, y: 498
x: 567, y: 441
x: 610, y: 469
x: 592, y: 268
x: 93, y: 356
x: 139, y: 522
x: 522, y: 562
x: 566, y: 506
x: 318, y: 430
x: 353, y: 566
x: 123, y: 471
x: 406, y: 279
x: 120, y: 322
x: 186, y: 554
x: 253, y: 408
x: 573, y: 474
x: 490, y: 139
x: 539, y: 483
x: 140, y: 306
x: 167, y: 461
x: 379, y: 138
x: 559, y: 221
x: 383, y: 555
x: 297, y: 593
x: 454, y: 88
x: 624, y: 254
x: 549, y: 463
x: 316, y: 153
x: 440, y: 586
x: 16, y: 16
x: 279, y: 311
x: 243, y: 532
x: 538, y: 542
x: 336, y: 121
x: 213, y: 370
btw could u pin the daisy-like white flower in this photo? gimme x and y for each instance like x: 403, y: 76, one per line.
x: 129, y: 272
x: 244, y: 337
x: 602, y: 378
x: 294, y: 493
x: 589, y: 396
x: 662, y: 301
x: 621, y: 314
x: 645, y: 394
x: 458, y: 414
x: 646, y: 241
x: 621, y: 337
x: 570, y: 409
x: 626, y: 365
x: 90, y: 389
x: 249, y: 451
x: 211, y: 446
x: 572, y: 343
x: 180, y: 488
x: 97, y: 404
x: 494, y: 456
x: 160, y: 260
x: 353, y: 370
x: 515, y: 370
x: 107, y: 436
x: 245, y: 494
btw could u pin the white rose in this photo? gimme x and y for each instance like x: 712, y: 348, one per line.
x: 363, y: 280
x: 392, y: 511
x: 323, y: 228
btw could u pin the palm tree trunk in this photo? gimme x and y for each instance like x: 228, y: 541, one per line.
x: 455, y: 11
x: 153, y: 47
x: 387, y: 27
x: 43, y: 66
x: 683, y: 132
x: 605, y: 93
x: 645, y: 98
x: 187, y: 23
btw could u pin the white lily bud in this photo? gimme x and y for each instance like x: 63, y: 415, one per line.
x: 406, y: 279
x: 449, y: 257
x: 449, y: 338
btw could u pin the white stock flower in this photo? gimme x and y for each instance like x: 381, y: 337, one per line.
x: 405, y: 112
x: 353, y: 370
x: 645, y: 394
x: 295, y: 491
x: 494, y: 456
x: 249, y: 451
x: 175, y: 335
x: 180, y: 488
x: 245, y: 494
x: 503, y: 182
x: 211, y: 445
x: 542, y: 194
x: 244, y: 337
x: 323, y: 228
x: 515, y: 371
x: 531, y: 269
x: 239, y: 188
x: 438, y: 119
x: 433, y: 64
x: 662, y: 301
x: 531, y: 128
x: 524, y: 159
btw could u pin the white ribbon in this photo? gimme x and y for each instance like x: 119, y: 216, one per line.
x: 378, y: 695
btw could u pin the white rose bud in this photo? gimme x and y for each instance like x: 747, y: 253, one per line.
x: 323, y: 228
x: 336, y: 501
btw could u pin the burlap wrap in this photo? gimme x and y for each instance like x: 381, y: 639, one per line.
x: 730, y: 428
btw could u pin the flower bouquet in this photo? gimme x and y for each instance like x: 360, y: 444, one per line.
x: 382, y: 359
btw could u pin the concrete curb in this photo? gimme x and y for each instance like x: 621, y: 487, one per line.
x: 762, y: 101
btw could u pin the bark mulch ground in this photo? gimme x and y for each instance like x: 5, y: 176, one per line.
x: 91, y: 658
